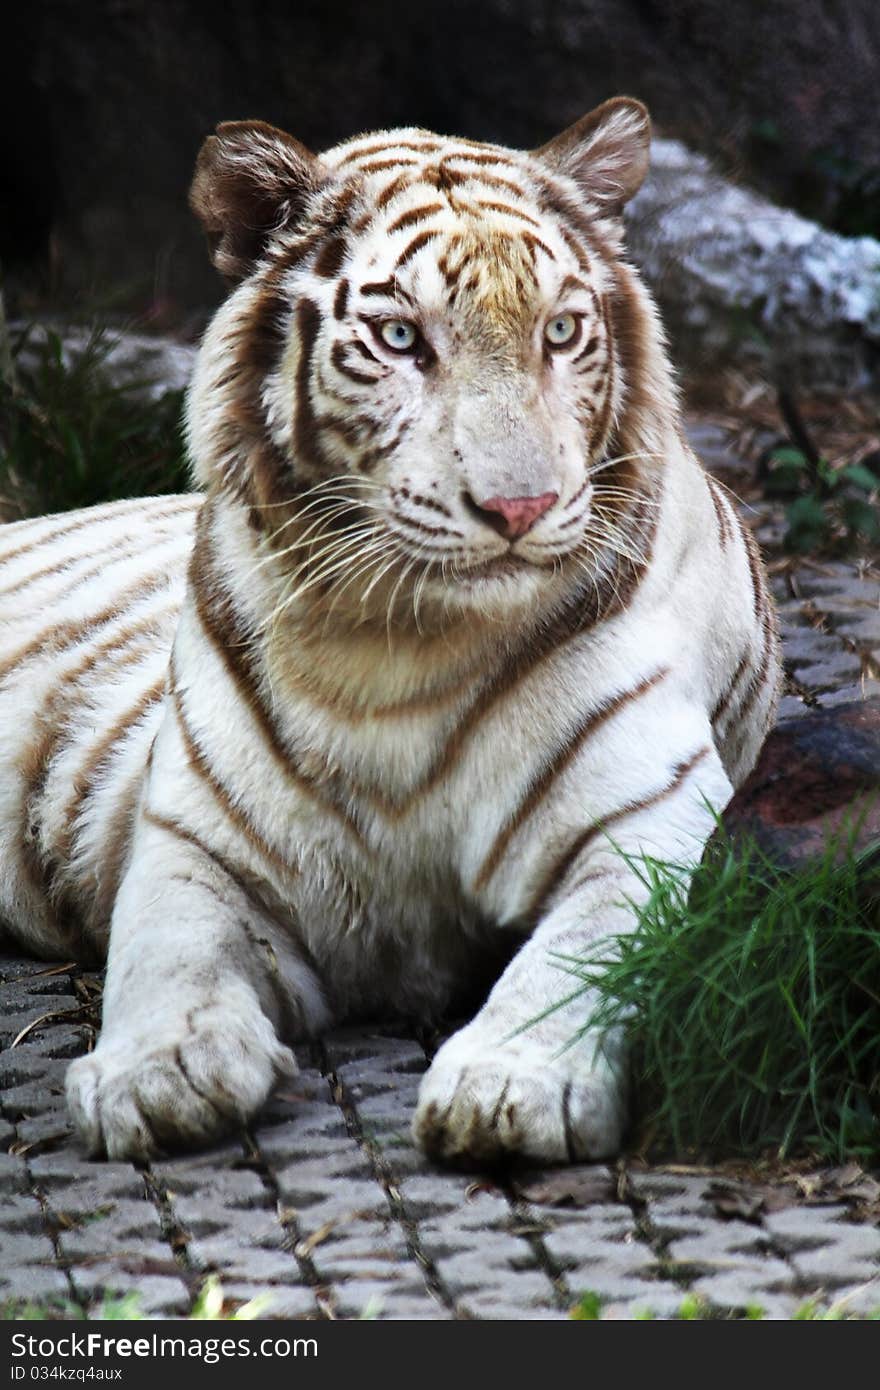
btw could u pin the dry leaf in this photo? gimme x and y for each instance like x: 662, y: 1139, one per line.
x: 570, y: 1187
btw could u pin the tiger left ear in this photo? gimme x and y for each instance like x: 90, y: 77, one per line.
x: 606, y: 152
x: 251, y: 180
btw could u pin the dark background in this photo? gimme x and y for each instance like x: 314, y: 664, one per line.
x: 106, y: 103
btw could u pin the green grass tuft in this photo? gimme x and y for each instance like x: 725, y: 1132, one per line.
x: 752, y: 1003
x: 72, y: 437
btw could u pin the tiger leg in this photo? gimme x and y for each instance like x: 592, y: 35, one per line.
x: 527, y: 1076
x: 199, y: 983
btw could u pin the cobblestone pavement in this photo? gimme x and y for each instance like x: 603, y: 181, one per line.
x: 329, y: 1210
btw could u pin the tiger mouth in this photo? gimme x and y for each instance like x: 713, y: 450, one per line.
x: 503, y: 567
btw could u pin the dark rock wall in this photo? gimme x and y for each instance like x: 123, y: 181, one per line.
x: 106, y: 101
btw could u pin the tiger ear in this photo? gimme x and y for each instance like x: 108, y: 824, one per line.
x: 606, y: 152
x: 251, y: 180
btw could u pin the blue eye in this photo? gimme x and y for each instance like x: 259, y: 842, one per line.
x: 399, y: 335
x: 562, y: 330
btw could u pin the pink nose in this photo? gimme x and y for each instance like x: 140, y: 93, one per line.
x: 514, y: 516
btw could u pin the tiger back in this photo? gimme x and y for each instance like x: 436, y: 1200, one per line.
x: 457, y: 628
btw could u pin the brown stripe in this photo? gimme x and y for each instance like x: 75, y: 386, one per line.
x: 720, y: 512
x: 573, y: 282
x: 587, y: 350
x: 235, y: 874
x: 493, y: 181
x: 554, y: 877
x: 59, y: 637
x: 378, y: 166
x: 385, y: 146
x: 759, y: 596
x: 573, y: 619
x: 101, y: 757
x: 534, y: 243
x: 237, y: 650
x: 758, y: 680
x: 392, y: 189
x: 117, y: 841
x: 358, y: 346
x: 444, y: 179
x: 305, y: 433
x: 109, y: 555
x: 507, y: 210
x: 386, y: 287
x: 99, y: 516
x: 725, y: 698
x: 201, y: 766
x: 329, y: 259
x: 462, y: 157
x: 576, y: 249
x: 407, y: 219
x: 418, y: 241
x: 54, y: 719
x: 337, y: 357
x: 543, y: 780
x: 340, y: 301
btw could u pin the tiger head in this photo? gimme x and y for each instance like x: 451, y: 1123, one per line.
x: 427, y: 380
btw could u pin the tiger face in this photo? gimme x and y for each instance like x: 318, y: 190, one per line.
x: 424, y: 408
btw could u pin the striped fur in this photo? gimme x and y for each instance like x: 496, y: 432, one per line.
x: 330, y: 738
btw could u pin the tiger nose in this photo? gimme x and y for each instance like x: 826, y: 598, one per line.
x: 513, y: 516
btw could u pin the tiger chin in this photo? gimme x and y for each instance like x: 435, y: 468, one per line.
x: 454, y: 631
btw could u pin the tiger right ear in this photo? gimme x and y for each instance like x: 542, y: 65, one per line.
x: 606, y: 152
x: 251, y: 180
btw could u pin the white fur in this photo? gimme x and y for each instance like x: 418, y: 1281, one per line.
x: 345, y: 874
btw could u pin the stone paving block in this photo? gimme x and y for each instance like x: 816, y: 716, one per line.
x: 661, y: 1301
x: 13, y: 1172
x: 386, y: 1057
x: 106, y: 1283
x: 725, y: 1247
x: 602, y: 1253
x: 744, y: 1288
x: 78, y: 1185
x: 474, y: 1249
x: 124, y: 1230
x: 432, y: 1192
x: 598, y: 1237
x: 281, y: 1301
x: 849, y: 694
x: 396, y: 1307
x: 28, y: 1267
x: 837, y: 580
x: 310, y: 1126
x: 337, y: 1201
x: 790, y: 707
x: 827, y: 668
x: 195, y: 1195
x: 825, y: 1249
x: 861, y: 1299
x: 359, y: 1298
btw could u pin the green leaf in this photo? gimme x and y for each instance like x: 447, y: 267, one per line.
x: 788, y: 454
x: 860, y: 477
x: 588, y: 1309
x: 861, y: 518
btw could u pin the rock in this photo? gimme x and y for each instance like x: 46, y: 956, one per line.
x: 147, y: 365
x: 817, y: 775
x: 738, y: 277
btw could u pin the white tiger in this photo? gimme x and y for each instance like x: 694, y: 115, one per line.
x: 459, y: 626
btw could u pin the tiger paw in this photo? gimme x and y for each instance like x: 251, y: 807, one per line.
x: 518, y: 1099
x: 138, y: 1095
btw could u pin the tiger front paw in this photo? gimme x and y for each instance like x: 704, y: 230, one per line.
x: 487, y: 1102
x: 137, y: 1094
